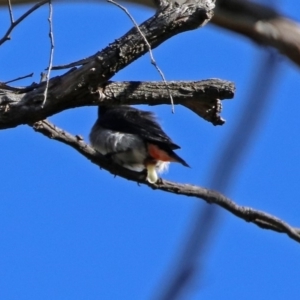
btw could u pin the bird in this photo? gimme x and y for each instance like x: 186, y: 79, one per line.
x: 133, y: 139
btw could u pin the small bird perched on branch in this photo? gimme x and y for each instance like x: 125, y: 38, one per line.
x: 134, y: 140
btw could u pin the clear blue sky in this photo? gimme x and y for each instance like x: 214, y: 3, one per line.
x: 69, y: 230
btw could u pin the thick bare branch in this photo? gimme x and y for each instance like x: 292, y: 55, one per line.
x: 248, y: 214
x: 88, y: 81
x: 258, y: 22
x: 202, y: 97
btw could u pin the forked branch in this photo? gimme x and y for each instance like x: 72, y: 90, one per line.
x: 13, y: 24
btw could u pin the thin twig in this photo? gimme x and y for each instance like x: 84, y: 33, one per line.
x: 153, y: 62
x: 50, y: 20
x: 6, y: 36
x: 10, y: 12
x: 19, y: 78
x: 248, y: 214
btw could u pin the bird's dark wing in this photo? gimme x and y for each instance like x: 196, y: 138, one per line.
x: 127, y: 119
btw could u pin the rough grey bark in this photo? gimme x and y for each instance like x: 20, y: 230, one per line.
x: 260, y: 23
x: 84, y: 85
x: 202, y: 97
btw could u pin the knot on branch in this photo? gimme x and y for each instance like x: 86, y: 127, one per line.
x: 185, y: 14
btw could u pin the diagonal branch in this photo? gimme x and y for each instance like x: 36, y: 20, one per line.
x: 248, y: 214
x: 15, y: 79
x: 256, y: 21
x: 89, y: 80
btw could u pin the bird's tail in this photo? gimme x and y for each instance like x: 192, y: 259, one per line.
x: 161, y: 154
x: 177, y: 158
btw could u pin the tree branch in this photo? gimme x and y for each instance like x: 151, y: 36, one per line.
x: 248, y: 214
x: 85, y: 84
x: 256, y: 21
x: 262, y: 24
x: 15, y: 79
x: 153, y: 61
x: 202, y: 97
x: 51, y: 37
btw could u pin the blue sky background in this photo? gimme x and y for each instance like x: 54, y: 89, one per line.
x: 69, y: 230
